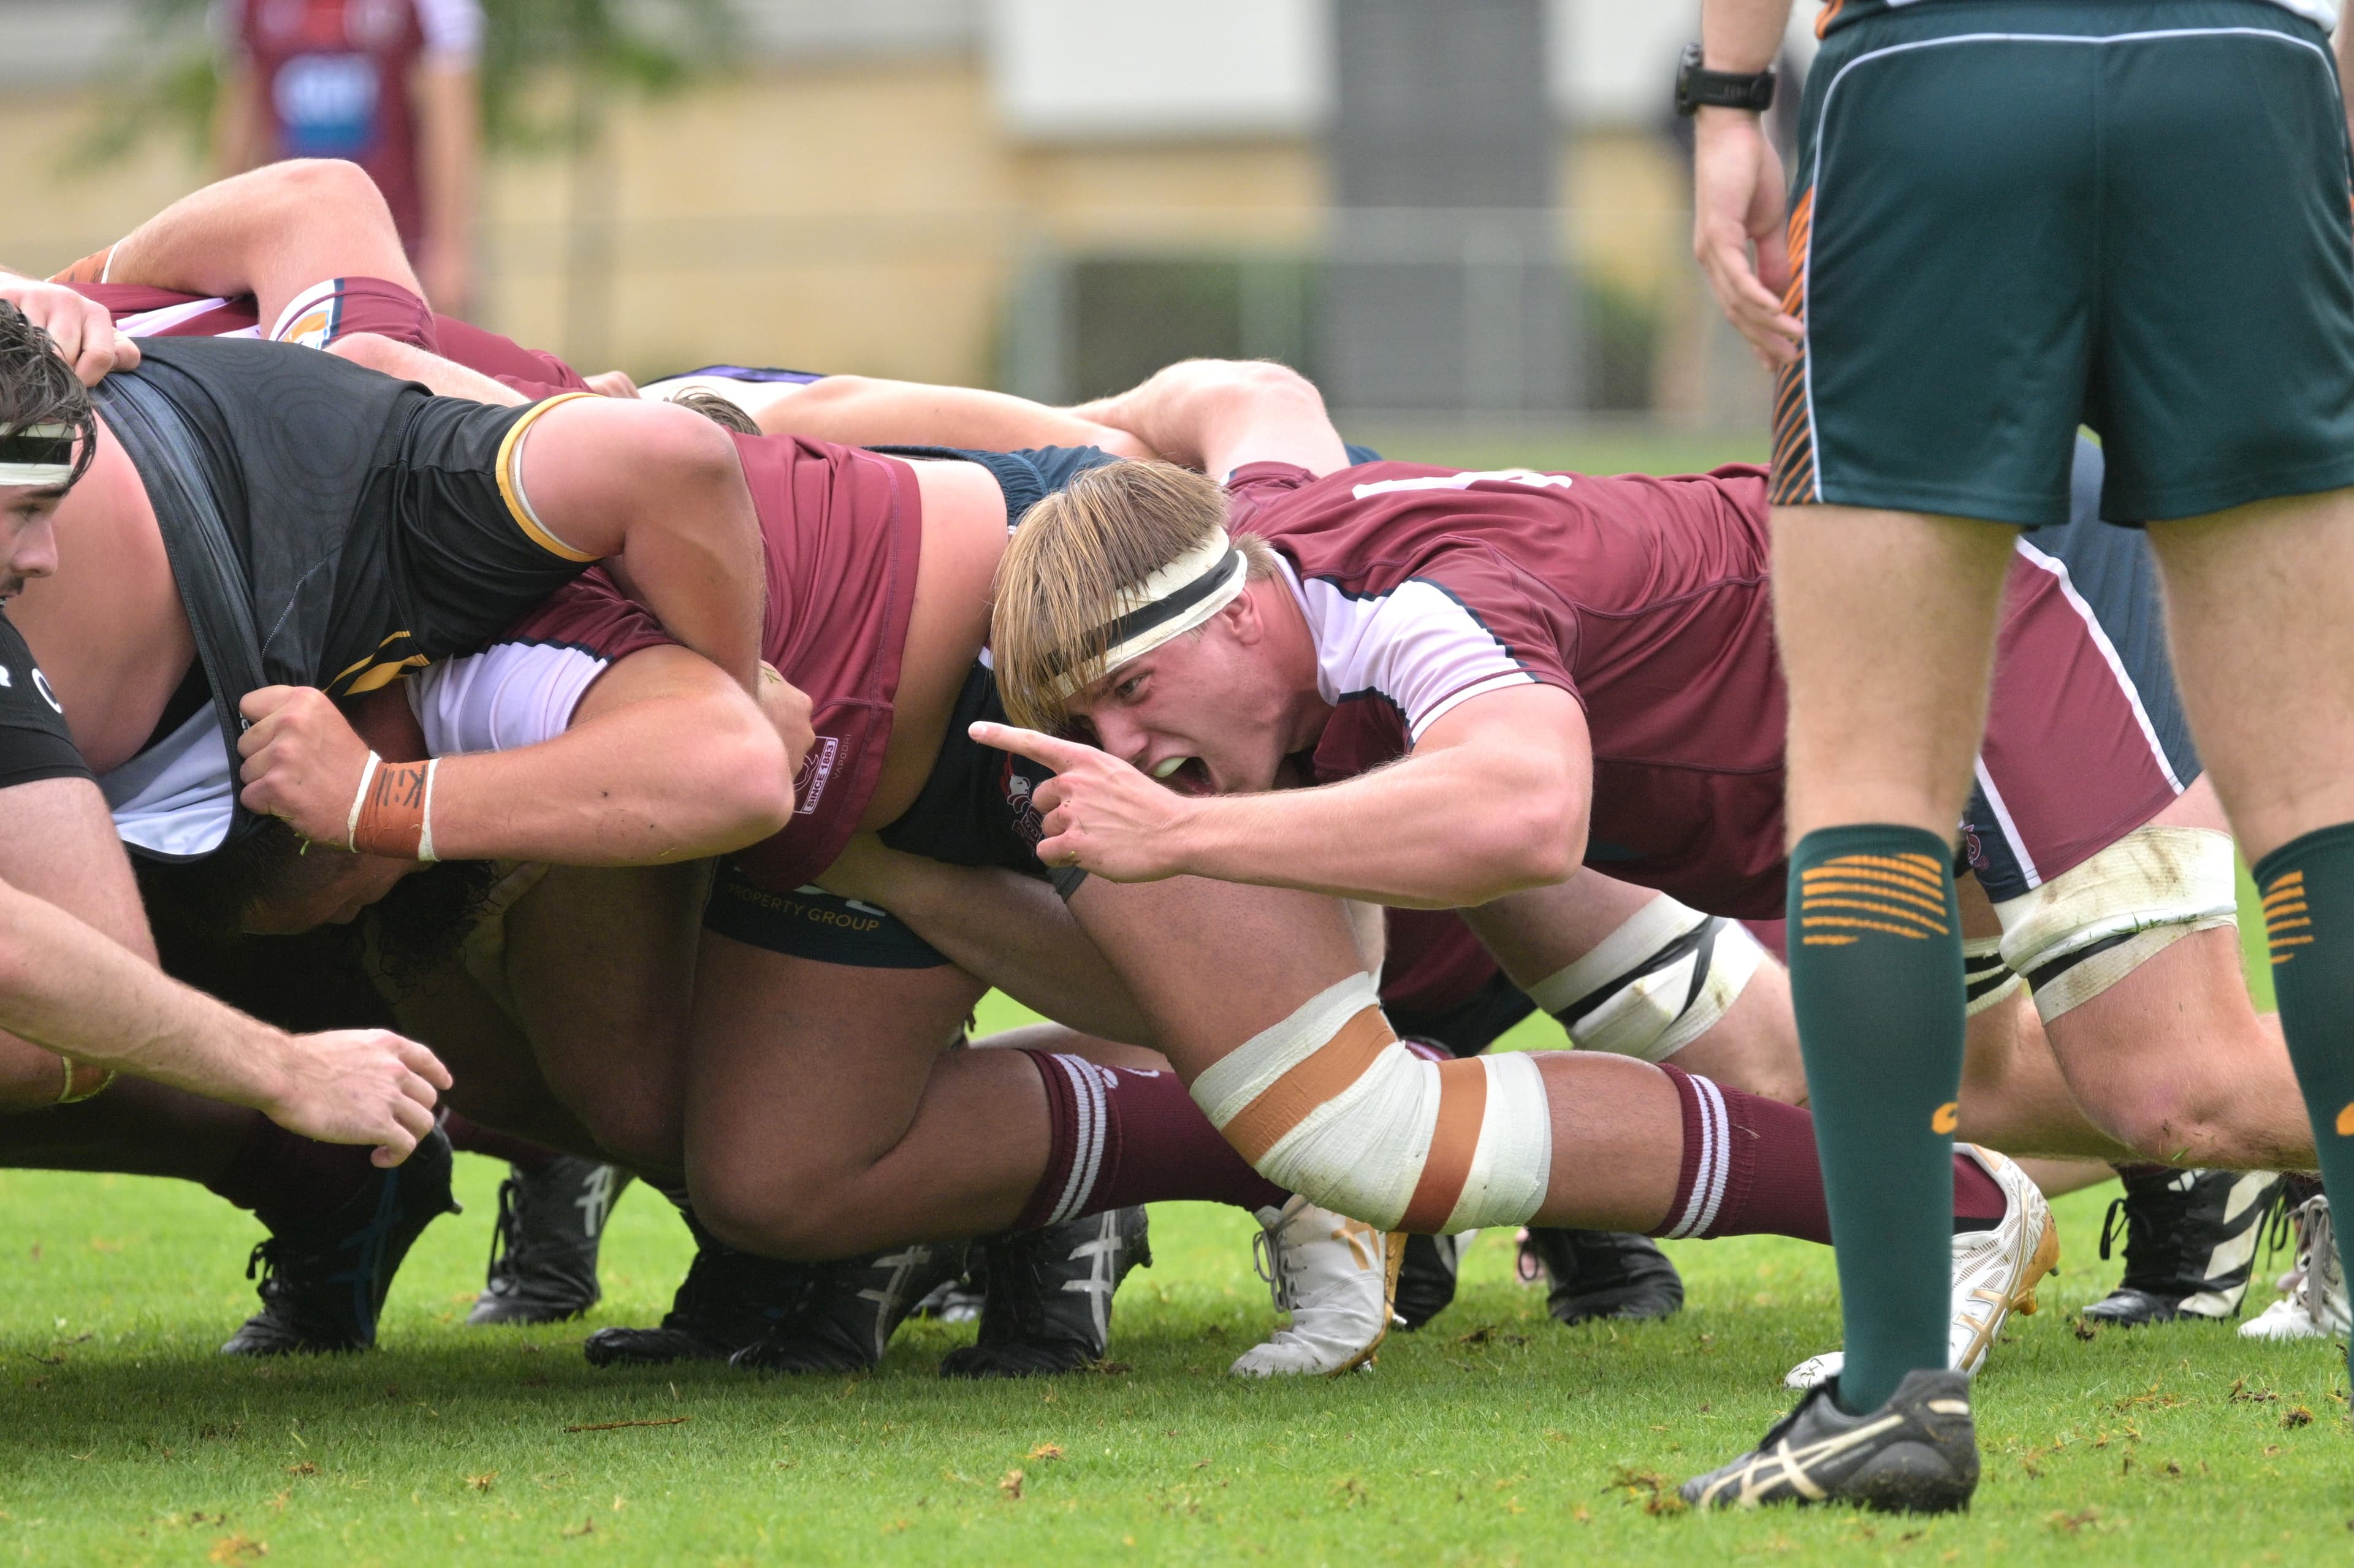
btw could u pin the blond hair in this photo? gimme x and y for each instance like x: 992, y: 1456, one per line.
x: 1075, y: 556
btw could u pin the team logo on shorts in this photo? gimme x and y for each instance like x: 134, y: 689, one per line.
x: 1026, y: 820
x: 817, y: 768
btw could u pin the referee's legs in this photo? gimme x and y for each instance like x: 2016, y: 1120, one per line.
x: 1886, y: 622
x: 2260, y: 603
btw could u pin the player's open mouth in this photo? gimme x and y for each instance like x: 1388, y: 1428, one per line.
x: 1186, y: 775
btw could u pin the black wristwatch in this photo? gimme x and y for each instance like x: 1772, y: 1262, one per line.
x: 1696, y: 87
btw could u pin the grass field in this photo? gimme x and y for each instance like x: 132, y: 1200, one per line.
x: 1493, y: 1437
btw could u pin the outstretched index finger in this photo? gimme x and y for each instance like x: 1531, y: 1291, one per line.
x: 1051, y: 750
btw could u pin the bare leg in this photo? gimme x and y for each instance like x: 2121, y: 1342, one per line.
x: 498, y: 1083
x: 1617, y: 1130
x: 2174, y: 1059
x: 2059, y: 1177
x: 823, y: 1120
x: 603, y: 968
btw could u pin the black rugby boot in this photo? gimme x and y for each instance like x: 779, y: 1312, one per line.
x: 1602, y: 1274
x: 728, y: 1299
x: 848, y: 1310
x: 1049, y: 1304
x: 551, y: 1222
x: 959, y: 1301
x: 1916, y: 1453
x: 1427, y: 1277
x: 323, y: 1285
x: 2190, y: 1244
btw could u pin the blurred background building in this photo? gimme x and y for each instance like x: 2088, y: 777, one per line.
x: 1473, y: 209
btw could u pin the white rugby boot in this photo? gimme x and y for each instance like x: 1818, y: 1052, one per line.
x: 1996, y: 1272
x: 2316, y: 1306
x: 1337, y: 1278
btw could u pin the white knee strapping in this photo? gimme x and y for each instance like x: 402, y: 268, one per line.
x: 1986, y: 978
x: 1653, y: 986
x: 1329, y: 1105
x: 2092, y: 925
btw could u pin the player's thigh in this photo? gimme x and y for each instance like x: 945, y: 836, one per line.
x: 1213, y: 963
x: 806, y: 1072
x: 601, y: 966
x: 1544, y: 930
x: 2260, y: 608
x: 498, y: 1078
x: 1885, y: 623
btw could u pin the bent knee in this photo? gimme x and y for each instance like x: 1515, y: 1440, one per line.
x: 2187, y: 1124
x: 799, y: 1222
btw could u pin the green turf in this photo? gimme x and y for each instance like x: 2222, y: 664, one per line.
x: 1491, y: 1436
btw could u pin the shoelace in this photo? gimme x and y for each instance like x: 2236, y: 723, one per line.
x: 1266, y: 1259
x: 506, y: 1230
x: 2320, y: 1237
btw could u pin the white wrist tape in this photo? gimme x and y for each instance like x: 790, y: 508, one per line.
x: 1987, y: 981
x: 359, y: 798
x: 1329, y: 1105
x: 425, y: 830
x: 1654, y: 985
x: 2090, y: 926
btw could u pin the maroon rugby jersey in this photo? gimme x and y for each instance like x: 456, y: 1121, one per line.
x: 1643, y: 598
x: 343, y: 306
x: 842, y: 530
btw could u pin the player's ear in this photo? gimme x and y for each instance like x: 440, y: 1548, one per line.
x: 1242, y: 621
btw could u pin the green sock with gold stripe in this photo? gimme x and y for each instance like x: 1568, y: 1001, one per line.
x: 1876, y: 982
x: 2307, y: 887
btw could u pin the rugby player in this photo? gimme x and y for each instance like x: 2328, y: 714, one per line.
x: 220, y: 1156
x: 1397, y: 601
x: 1973, y: 266
x: 925, y: 1176
x: 646, y: 1100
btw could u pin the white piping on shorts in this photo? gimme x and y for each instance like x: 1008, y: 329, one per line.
x: 2010, y: 834
x: 2059, y: 570
x: 1815, y: 182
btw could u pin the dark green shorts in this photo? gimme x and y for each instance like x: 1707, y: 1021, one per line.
x: 2009, y: 217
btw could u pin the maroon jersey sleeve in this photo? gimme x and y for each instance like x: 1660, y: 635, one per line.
x: 591, y: 614
x: 530, y: 371
x: 143, y: 312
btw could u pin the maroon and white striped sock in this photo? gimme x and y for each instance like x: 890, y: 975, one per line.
x: 1123, y: 1136
x: 1750, y: 1169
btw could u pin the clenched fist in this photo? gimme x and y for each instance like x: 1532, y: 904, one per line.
x: 357, y: 1085
x: 302, y: 761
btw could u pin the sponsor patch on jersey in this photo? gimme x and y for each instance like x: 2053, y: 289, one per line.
x: 817, y: 768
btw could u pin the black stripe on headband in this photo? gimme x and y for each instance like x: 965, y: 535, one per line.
x: 1169, y: 607
x: 18, y: 447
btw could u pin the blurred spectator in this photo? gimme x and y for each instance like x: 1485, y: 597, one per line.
x: 389, y: 84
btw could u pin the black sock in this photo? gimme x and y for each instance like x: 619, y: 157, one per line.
x: 1876, y: 983
x: 2307, y: 886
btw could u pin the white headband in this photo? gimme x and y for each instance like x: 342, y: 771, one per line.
x: 28, y: 456
x: 1171, y: 602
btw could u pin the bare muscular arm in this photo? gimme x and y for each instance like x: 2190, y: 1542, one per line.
x: 1010, y: 931
x: 665, y: 759
x: 862, y: 410
x: 1215, y: 415
x: 78, y: 977
x: 271, y: 233
x: 1492, y: 800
